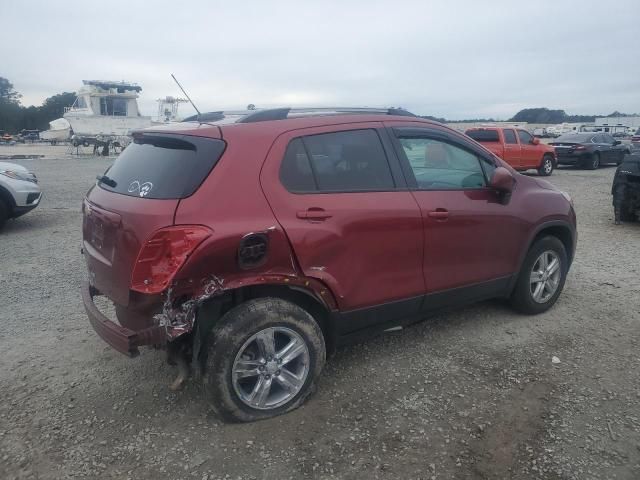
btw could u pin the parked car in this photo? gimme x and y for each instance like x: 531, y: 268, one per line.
x: 635, y: 140
x: 517, y: 147
x: 19, y: 191
x: 29, y: 136
x: 541, y: 133
x: 251, y: 247
x: 626, y: 190
x: 6, y: 138
x: 589, y: 149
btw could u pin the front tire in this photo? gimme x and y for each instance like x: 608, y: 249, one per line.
x: 264, y: 359
x: 546, y: 167
x: 542, y: 276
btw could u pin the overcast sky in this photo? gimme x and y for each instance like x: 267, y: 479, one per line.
x: 457, y: 59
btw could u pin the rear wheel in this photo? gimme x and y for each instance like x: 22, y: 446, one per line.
x: 264, y: 359
x: 542, y: 276
x: 546, y: 167
x: 593, y: 162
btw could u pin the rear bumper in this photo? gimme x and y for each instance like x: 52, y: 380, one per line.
x: 122, y: 339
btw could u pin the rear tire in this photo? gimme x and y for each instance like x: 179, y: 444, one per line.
x: 546, y: 167
x: 539, y: 286
x: 241, y: 366
x: 593, y: 162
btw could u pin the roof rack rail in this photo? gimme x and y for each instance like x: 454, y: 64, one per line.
x: 284, y: 113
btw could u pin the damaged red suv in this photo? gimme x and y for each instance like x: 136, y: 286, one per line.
x: 250, y: 245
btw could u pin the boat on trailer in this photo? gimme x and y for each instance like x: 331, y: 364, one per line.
x: 104, y: 112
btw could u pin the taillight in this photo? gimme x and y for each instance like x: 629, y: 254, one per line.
x: 163, y: 255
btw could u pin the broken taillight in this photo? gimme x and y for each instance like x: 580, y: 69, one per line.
x: 162, y: 256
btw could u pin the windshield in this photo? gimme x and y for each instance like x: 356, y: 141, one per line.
x: 163, y: 166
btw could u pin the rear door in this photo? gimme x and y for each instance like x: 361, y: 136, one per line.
x: 342, y: 200
x: 512, y: 149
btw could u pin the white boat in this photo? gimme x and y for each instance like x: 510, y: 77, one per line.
x: 59, y: 131
x: 105, y: 110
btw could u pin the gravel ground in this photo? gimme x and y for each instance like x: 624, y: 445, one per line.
x: 469, y: 394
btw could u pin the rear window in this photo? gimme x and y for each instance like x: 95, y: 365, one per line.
x: 163, y: 166
x: 484, y: 135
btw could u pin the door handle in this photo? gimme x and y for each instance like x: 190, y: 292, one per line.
x: 439, y: 214
x: 313, y: 214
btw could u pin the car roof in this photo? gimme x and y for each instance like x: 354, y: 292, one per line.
x: 319, y: 117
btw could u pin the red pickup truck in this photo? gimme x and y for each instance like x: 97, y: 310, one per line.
x: 517, y: 147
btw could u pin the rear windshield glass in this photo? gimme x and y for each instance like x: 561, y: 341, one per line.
x: 163, y: 166
x: 575, y: 138
x: 484, y: 135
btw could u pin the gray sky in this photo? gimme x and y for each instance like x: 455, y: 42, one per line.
x: 457, y: 59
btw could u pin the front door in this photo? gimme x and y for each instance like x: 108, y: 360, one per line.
x: 531, y: 156
x: 340, y: 195
x: 472, y: 237
x: 512, y: 149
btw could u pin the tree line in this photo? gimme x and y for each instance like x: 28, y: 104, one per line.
x: 15, y: 117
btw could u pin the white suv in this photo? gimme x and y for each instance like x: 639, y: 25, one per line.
x: 19, y: 191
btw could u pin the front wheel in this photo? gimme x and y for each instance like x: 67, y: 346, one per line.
x: 264, y: 359
x: 546, y: 167
x: 541, y: 277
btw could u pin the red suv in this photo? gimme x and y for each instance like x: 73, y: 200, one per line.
x: 251, y: 245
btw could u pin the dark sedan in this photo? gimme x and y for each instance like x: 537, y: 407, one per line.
x: 589, y: 149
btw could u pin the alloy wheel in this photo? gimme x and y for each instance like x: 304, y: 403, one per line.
x: 545, y: 276
x: 270, y: 368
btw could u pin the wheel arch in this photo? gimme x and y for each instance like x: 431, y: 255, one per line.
x: 559, y: 230
x: 300, y: 296
x: 6, y: 196
x: 555, y: 228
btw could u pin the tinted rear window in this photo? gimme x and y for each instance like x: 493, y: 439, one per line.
x: 484, y: 135
x: 347, y: 161
x: 164, y: 166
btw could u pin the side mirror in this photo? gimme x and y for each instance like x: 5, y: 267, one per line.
x: 535, y: 141
x: 502, y: 180
x: 617, y: 142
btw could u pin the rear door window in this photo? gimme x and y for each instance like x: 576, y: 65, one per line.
x: 510, y: 137
x: 163, y: 166
x: 295, y: 172
x: 347, y: 161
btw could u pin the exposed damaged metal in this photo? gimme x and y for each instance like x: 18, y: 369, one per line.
x: 178, y: 320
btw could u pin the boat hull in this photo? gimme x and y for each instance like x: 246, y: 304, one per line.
x: 107, y: 126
